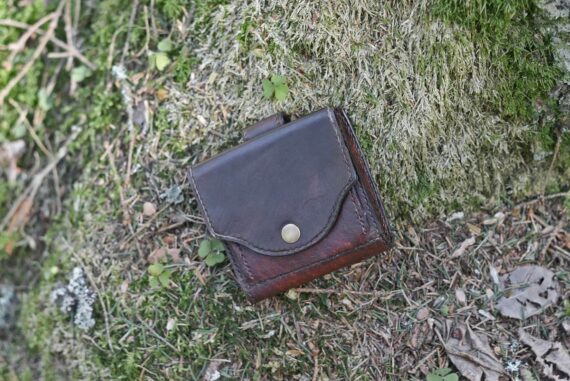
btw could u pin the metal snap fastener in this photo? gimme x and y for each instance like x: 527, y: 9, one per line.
x: 290, y: 233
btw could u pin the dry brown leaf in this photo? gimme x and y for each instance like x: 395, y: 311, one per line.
x: 21, y: 216
x: 423, y: 314
x: 149, y: 209
x: 552, y: 356
x: 527, y: 291
x: 472, y: 355
x: 460, y: 296
x: 421, y: 333
x: 174, y: 254
x: 459, y: 252
x: 10, y: 153
x: 157, y: 255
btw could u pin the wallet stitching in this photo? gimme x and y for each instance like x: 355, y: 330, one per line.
x: 244, y: 261
x: 385, y: 233
x: 318, y: 235
x: 356, y: 211
x: 369, y: 213
x: 315, y: 264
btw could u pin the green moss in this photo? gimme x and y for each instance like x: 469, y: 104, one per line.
x: 508, y: 33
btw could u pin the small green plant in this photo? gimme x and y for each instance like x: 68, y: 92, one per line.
x: 211, y: 251
x: 444, y: 374
x: 276, y: 87
x: 159, y: 275
x: 160, y: 59
x: 566, y: 312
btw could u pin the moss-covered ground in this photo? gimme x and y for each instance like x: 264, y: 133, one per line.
x: 451, y: 101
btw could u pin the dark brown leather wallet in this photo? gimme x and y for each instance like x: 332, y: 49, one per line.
x: 293, y: 202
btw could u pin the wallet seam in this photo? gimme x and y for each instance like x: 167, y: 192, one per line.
x: 320, y: 234
x: 368, y: 212
x: 358, y: 216
x: 385, y: 231
x: 244, y: 261
x: 250, y: 286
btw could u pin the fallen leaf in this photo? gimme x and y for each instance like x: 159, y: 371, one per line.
x: 10, y: 153
x: 157, y: 255
x: 527, y: 291
x: 174, y: 254
x: 162, y: 94
x: 212, y: 373
x: 552, y: 356
x: 455, y: 216
x: 421, y: 333
x: 474, y: 229
x: 527, y: 375
x: 497, y: 218
x: 423, y: 314
x: 472, y: 355
x: 460, y: 296
x: 21, y: 216
x: 170, y: 324
x: 292, y: 294
x: 459, y: 252
x: 494, y: 273
x: 149, y: 209
x: 124, y: 286
x: 486, y: 315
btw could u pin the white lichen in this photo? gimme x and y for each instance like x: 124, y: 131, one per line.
x: 513, y: 366
x: 7, y: 305
x: 76, y: 299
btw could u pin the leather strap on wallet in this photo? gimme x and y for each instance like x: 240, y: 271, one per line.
x: 293, y: 202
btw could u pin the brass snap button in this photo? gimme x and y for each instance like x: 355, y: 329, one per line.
x: 290, y: 233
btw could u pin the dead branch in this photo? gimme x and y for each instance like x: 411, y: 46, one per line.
x: 39, y: 50
x: 54, y: 40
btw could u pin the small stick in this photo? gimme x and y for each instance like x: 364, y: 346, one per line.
x: 56, y: 41
x: 129, y: 29
x: 551, y: 238
x: 21, y: 43
x: 329, y: 291
x: 68, y: 32
x: 542, y: 198
x: 39, y: 50
x: 556, y: 151
x: 38, y: 179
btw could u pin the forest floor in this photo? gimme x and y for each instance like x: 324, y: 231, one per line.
x: 461, y: 109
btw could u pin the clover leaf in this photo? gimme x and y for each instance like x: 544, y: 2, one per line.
x: 212, y: 252
x: 275, y: 88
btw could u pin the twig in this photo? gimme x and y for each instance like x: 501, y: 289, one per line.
x: 22, y: 118
x: 556, y: 150
x: 123, y: 244
x: 39, y: 50
x: 542, y: 198
x: 21, y: 43
x: 157, y: 335
x: 328, y: 291
x: 129, y: 29
x: 32, y: 188
x: 422, y: 361
x: 551, y: 238
x: 56, y: 41
x: 316, y: 369
x: 68, y: 32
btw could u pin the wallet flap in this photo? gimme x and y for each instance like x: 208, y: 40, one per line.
x: 297, y: 174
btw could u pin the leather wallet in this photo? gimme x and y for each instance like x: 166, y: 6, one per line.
x: 292, y: 202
